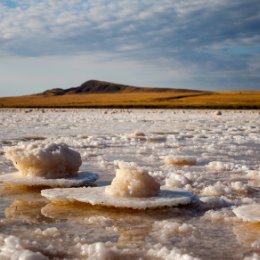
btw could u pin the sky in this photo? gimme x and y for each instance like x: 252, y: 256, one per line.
x: 195, y: 44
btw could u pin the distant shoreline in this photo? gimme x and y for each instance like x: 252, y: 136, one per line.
x: 254, y: 107
x: 139, y: 100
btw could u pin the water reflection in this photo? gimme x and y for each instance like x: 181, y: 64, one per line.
x: 26, y: 211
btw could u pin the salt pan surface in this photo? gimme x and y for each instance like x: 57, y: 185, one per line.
x: 12, y: 249
x: 226, y: 149
x: 248, y: 212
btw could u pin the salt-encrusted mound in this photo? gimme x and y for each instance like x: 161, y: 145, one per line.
x: 248, y: 212
x: 82, y: 179
x: 98, y: 196
x: 44, y: 160
x: 180, y: 161
x: 132, y: 181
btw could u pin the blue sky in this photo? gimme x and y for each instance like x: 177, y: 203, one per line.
x: 197, y: 44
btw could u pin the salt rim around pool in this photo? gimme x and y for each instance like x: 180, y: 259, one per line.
x: 132, y: 188
x: 41, y: 164
x: 249, y: 213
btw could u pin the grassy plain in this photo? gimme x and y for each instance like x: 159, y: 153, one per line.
x: 168, y: 99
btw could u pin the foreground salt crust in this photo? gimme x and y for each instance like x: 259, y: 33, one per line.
x: 248, y: 212
x: 12, y: 248
x: 41, y: 164
x: 44, y: 160
x: 103, y: 251
x: 137, y: 191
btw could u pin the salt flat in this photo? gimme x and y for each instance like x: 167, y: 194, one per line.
x: 214, y: 155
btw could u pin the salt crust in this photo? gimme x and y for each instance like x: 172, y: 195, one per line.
x: 11, y: 248
x: 104, y: 251
x: 48, y: 232
x: 223, y: 215
x: 249, y: 213
x: 44, y: 160
x: 215, y: 202
x: 82, y: 179
x: 219, y: 188
x: 166, y: 254
x: 221, y: 166
x: 165, y: 230
x: 178, y: 181
x: 255, y: 256
x: 132, y: 181
x: 98, y: 196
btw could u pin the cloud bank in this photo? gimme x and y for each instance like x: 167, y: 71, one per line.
x: 193, y: 43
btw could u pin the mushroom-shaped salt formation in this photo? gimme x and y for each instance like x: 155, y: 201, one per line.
x: 41, y: 164
x: 132, y: 188
x: 249, y: 213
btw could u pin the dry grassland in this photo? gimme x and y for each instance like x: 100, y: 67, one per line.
x: 171, y: 99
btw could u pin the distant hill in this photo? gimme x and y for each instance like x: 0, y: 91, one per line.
x: 96, y: 86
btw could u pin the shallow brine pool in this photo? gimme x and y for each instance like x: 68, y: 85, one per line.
x: 214, y: 155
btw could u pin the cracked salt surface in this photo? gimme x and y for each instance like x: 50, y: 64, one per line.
x: 224, y: 174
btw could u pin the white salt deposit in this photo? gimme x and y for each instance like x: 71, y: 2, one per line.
x: 223, y: 215
x: 82, y: 179
x: 132, y: 181
x: 215, y: 202
x: 164, y: 253
x: 221, y: 166
x: 177, y: 181
x: 248, y: 212
x: 165, y: 230
x: 98, y: 196
x: 49, y: 232
x: 255, y: 256
x: 44, y: 160
x: 12, y: 249
x: 217, y: 189
x: 97, y: 250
